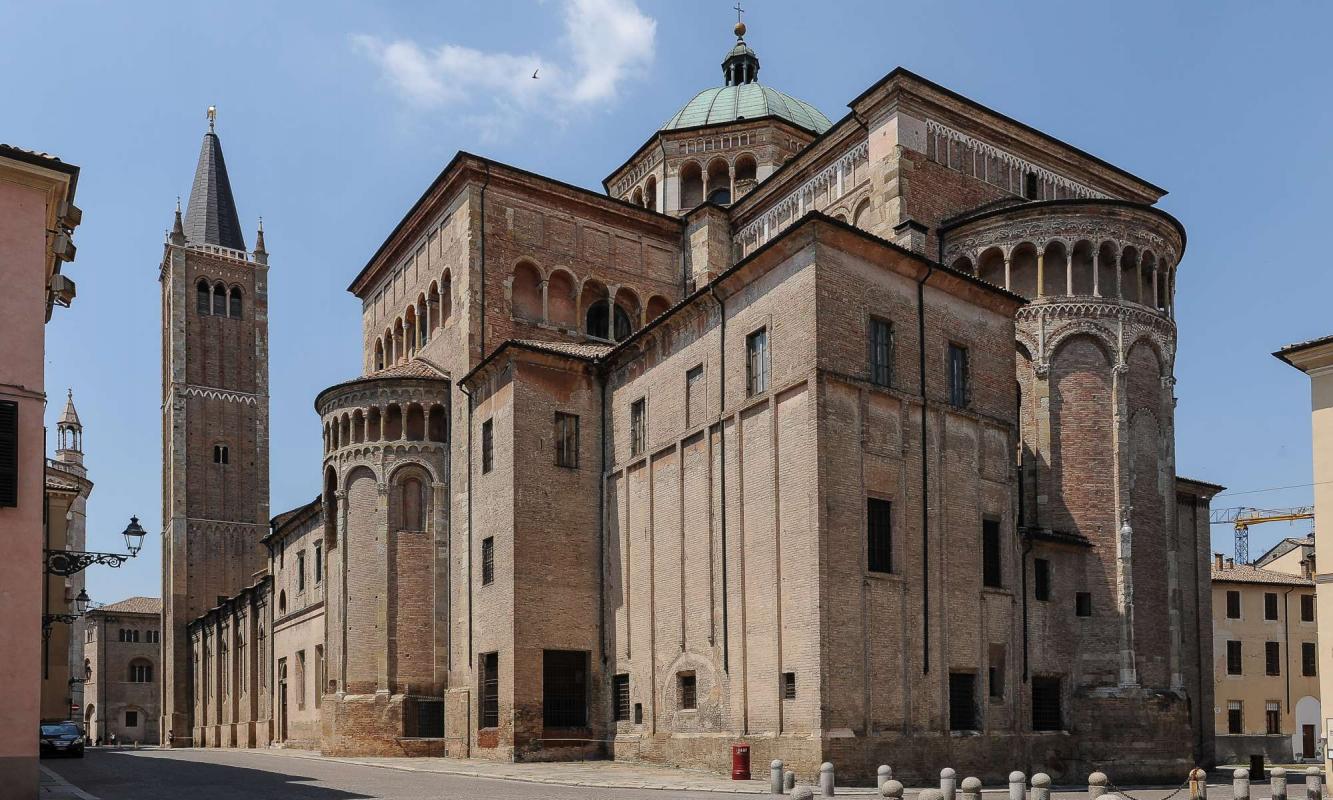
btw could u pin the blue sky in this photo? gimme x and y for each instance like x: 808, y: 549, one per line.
x: 334, y: 116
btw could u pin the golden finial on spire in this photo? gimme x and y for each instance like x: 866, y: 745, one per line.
x: 212, y: 117
x: 740, y: 26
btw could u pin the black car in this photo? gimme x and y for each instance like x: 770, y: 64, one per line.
x: 62, y: 739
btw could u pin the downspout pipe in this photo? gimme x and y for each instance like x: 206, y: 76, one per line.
x: 601, y: 525
x: 722, y: 472
x: 1023, y: 567
x: 1286, y: 646
x: 925, y: 468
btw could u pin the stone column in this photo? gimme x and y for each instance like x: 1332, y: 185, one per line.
x: 1007, y: 260
x: 1096, y: 270
x: 1041, y: 272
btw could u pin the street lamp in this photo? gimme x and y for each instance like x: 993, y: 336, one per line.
x: 68, y: 562
x: 81, y: 602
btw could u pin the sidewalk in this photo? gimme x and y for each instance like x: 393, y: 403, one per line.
x: 53, y: 787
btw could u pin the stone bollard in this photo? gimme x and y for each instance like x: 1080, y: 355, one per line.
x: 1313, y: 781
x: 788, y: 781
x: 883, y: 775
x: 802, y: 793
x: 1198, y: 784
x: 1097, y: 785
x: 930, y: 794
x: 826, y: 779
x: 971, y: 789
x: 1041, y: 786
x: 948, y: 782
x: 1018, y: 786
x: 891, y: 788
x: 775, y: 777
x: 1277, y: 782
x: 1240, y: 784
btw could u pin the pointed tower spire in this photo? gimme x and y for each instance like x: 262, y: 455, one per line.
x: 211, y: 216
x: 177, y: 235
x: 69, y: 434
x: 261, y: 254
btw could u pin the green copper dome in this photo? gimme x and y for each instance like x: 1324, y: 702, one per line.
x: 743, y: 97
x: 723, y: 104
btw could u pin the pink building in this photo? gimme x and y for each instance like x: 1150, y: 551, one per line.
x: 37, y: 216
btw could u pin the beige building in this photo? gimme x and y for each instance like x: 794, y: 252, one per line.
x: 65, y: 521
x: 1315, y: 358
x: 850, y: 440
x: 1265, y: 661
x: 296, y: 560
x: 37, y: 218
x: 122, y: 666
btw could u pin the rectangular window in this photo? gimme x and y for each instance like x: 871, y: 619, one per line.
x: 1233, y: 605
x: 490, y: 690
x: 991, y: 572
x: 789, y: 686
x: 995, y: 674
x: 131, y: 719
x: 1270, y: 605
x: 220, y: 454
x: 879, y: 535
x: 1083, y: 604
x: 300, y: 679
x: 1308, y: 655
x: 959, y: 391
x: 638, y: 713
x: 565, y: 688
x: 1235, y: 717
x: 1272, y: 658
x: 1041, y: 573
x: 1273, y: 717
x: 695, y: 397
x: 300, y: 571
x: 9, y: 453
x: 881, y: 352
x: 422, y: 718
x: 638, y: 411
x: 319, y: 562
x: 1046, y: 714
x: 1233, y: 657
x: 756, y: 362
x: 687, y: 686
x: 620, y: 697
x: 566, y: 440
x: 487, y: 561
x: 962, y: 701
x: 487, y: 446
x: 1307, y: 608
x: 1030, y: 185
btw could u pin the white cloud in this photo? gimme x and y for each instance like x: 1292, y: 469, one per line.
x: 605, y: 42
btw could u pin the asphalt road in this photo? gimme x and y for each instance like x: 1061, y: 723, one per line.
x: 229, y: 775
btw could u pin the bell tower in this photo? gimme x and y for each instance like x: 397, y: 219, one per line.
x: 215, y: 490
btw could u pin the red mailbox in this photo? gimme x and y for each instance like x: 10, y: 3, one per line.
x: 740, y: 762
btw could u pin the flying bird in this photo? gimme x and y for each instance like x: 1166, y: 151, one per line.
x: 534, y: 73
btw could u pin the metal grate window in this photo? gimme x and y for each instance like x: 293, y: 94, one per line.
x: 488, y: 561
x: 1273, y: 717
x: 566, y: 440
x: 9, y: 453
x: 620, y: 697
x: 1235, y: 716
x: 424, y: 719
x: 490, y: 690
x: 879, y: 535
x: 487, y: 446
x: 881, y: 352
x: 962, y: 701
x: 688, y: 690
x: 756, y: 362
x: 960, y: 390
x: 789, y: 686
x: 1046, y: 714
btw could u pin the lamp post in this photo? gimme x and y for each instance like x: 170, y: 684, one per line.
x: 68, y: 562
x: 80, y: 607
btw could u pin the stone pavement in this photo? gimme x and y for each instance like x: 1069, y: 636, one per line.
x: 51, y: 786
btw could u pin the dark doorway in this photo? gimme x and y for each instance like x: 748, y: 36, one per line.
x: 1307, y: 740
x: 1046, y: 715
x: 565, y: 688
x: 282, y: 699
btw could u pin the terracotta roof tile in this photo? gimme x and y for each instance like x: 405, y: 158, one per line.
x: 577, y: 349
x: 1244, y: 573
x: 134, y: 605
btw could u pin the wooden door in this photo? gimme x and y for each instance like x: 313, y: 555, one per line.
x: 1307, y: 740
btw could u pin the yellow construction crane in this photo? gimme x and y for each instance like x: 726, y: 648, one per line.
x: 1242, y: 518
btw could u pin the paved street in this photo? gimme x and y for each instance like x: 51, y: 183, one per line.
x: 297, y: 775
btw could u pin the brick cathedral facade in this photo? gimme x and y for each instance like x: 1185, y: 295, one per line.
x: 852, y: 440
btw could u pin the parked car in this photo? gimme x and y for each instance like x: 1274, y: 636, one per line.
x: 62, y: 739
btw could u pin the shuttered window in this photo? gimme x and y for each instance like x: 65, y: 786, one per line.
x: 1272, y: 658
x: 9, y: 453
x: 1233, y: 657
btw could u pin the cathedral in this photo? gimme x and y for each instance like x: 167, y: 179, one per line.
x: 852, y: 440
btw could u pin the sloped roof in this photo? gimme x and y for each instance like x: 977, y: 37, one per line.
x: 211, y: 215
x: 70, y: 416
x: 134, y: 605
x: 577, y: 349
x: 285, y: 517
x: 1245, y: 573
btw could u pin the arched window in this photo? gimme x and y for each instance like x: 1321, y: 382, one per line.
x: 220, y: 300
x: 691, y: 185
x: 205, y: 300
x: 597, y: 323
x: 624, y: 326
x: 423, y: 321
x: 650, y: 193
x: 141, y: 671
x: 411, y: 505
x: 526, y: 291
x: 234, y: 310
x: 379, y: 354
x: 282, y: 602
x: 719, y: 182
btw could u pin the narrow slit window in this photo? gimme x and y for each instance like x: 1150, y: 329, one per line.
x: 487, y: 446
x: 879, y: 535
x: 756, y: 361
x: 638, y: 413
x: 566, y: 440
x: 488, y: 561
x: 881, y: 352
